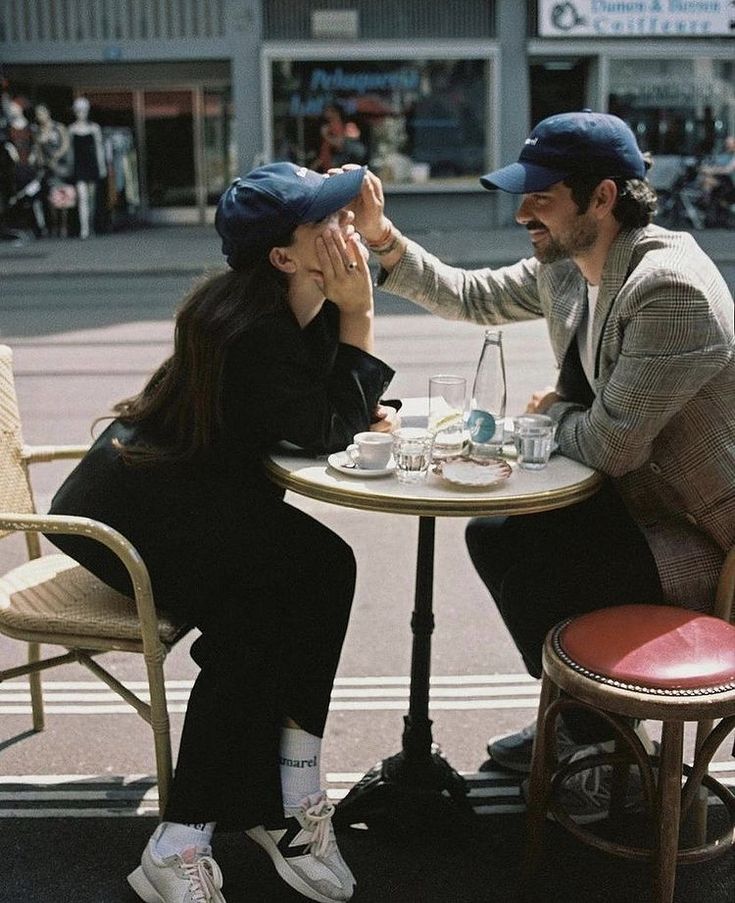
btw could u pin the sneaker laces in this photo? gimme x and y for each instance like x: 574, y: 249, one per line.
x: 594, y: 784
x: 590, y: 783
x: 318, y: 812
x: 203, y: 874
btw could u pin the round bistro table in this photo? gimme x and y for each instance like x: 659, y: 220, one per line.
x: 418, y: 782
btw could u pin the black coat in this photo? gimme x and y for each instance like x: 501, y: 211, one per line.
x: 281, y: 382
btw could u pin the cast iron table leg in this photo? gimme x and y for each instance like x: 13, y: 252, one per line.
x: 417, y: 783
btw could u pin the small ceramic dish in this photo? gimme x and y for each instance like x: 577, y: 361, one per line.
x: 340, y: 461
x: 472, y: 472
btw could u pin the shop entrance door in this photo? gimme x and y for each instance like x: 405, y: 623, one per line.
x: 181, y: 144
x: 558, y: 86
x: 170, y: 163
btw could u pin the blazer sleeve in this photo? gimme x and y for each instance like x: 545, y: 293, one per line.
x: 486, y: 296
x: 315, y: 394
x: 670, y: 347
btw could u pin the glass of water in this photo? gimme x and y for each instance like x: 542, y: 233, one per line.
x: 534, y: 437
x: 412, y: 453
x: 446, y: 414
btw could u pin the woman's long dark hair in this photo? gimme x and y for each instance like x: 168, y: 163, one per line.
x: 181, y: 405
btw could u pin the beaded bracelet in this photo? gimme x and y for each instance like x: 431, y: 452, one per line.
x: 384, y: 238
x: 380, y: 249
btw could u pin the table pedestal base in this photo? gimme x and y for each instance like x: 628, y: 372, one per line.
x: 416, y: 789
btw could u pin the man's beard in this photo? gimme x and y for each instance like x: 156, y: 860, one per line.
x: 580, y: 238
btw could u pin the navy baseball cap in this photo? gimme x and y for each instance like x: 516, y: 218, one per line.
x: 598, y: 144
x: 260, y: 210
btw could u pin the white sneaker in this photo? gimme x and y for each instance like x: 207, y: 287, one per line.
x: 188, y: 877
x: 304, y: 851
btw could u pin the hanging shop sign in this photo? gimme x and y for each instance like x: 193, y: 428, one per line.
x: 636, y: 18
x: 335, y: 23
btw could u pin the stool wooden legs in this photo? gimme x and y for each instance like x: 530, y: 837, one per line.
x: 669, y: 810
x: 699, y: 805
x: 542, y: 766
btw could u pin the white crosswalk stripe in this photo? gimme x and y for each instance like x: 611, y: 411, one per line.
x: 95, y: 796
x: 130, y: 796
x: 382, y: 693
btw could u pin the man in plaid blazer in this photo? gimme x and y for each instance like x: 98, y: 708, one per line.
x: 641, y: 324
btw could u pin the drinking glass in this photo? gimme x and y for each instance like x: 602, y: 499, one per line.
x: 446, y: 414
x: 412, y: 453
x: 534, y: 437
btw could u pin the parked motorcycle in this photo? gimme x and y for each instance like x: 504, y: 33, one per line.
x: 685, y: 205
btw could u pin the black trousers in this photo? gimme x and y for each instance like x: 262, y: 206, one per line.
x: 543, y: 568
x: 269, y: 587
x: 272, y: 632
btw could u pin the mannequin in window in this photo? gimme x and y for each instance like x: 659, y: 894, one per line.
x: 88, y: 162
x: 7, y: 168
x: 51, y: 148
x: 20, y: 148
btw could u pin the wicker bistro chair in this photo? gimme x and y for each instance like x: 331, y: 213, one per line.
x: 51, y: 599
x: 654, y: 662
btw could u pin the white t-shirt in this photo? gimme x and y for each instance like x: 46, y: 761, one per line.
x: 584, y: 335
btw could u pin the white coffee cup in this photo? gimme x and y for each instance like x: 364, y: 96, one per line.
x: 370, y: 451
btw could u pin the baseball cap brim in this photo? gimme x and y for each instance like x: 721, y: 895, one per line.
x: 522, y: 178
x: 335, y: 192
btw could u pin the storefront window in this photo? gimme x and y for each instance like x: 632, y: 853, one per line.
x: 219, y: 149
x: 683, y: 107
x: 411, y: 120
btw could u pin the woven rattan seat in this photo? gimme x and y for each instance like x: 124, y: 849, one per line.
x: 51, y: 599
x: 54, y: 594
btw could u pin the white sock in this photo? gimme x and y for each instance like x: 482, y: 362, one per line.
x: 300, y: 765
x: 175, y: 838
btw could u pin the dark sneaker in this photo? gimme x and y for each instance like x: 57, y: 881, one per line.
x: 585, y: 796
x: 304, y: 851
x: 513, y: 751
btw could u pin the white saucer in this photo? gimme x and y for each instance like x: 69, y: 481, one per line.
x: 339, y: 461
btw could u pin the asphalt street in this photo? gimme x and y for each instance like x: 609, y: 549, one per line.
x: 87, y: 327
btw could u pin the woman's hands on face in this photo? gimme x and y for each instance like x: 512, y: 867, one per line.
x: 346, y: 279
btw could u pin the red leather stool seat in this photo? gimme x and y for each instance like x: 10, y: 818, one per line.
x: 656, y: 647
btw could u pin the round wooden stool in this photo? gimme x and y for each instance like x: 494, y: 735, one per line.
x: 642, y: 662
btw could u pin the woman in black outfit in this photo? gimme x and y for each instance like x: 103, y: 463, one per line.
x: 260, y: 356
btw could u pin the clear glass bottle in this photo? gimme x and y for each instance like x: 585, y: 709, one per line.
x: 487, y: 412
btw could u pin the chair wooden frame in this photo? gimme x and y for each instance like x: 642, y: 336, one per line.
x: 669, y: 804
x: 146, y: 632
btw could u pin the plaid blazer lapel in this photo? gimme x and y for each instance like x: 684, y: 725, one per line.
x: 568, y: 295
x: 614, y: 274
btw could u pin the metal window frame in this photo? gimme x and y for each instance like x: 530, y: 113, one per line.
x: 488, y: 51
x: 197, y: 90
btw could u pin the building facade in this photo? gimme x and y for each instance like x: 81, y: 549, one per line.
x: 431, y: 95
